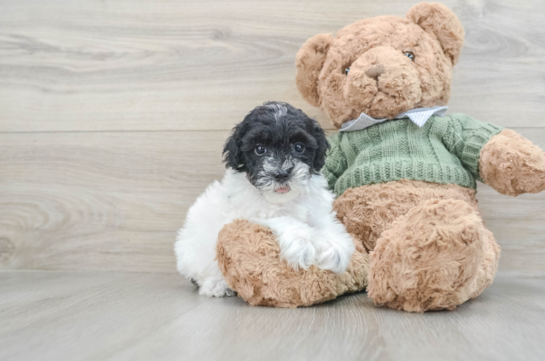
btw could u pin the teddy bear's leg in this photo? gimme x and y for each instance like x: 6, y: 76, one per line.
x: 437, y: 256
x: 370, y: 210
x: 248, y: 255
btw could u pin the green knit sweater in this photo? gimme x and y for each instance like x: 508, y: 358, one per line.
x: 445, y: 150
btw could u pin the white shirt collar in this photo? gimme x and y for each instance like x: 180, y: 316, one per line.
x: 418, y: 116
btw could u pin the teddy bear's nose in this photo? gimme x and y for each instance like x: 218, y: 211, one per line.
x: 375, y: 71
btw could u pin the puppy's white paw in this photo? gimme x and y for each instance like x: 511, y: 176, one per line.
x: 334, y: 258
x: 213, y: 287
x: 294, y: 238
x: 297, y: 249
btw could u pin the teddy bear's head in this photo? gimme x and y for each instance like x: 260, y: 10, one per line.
x: 382, y: 66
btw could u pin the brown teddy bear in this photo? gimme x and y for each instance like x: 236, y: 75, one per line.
x: 403, y: 171
x: 249, y: 257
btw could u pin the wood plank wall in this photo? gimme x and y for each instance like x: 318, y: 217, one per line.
x: 113, y: 114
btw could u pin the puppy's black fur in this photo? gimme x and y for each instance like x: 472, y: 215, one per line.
x: 277, y: 127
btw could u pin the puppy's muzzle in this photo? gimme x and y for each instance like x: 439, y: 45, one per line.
x: 282, y: 175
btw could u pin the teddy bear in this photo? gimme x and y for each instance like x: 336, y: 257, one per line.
x: 248, y: 255
x: 404, y: 172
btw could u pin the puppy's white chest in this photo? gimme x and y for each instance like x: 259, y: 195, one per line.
x: 299, y: 212
x: 296, y: 211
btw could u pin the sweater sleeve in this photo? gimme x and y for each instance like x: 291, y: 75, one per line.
x: 465, y: 137
x: 335, y: 162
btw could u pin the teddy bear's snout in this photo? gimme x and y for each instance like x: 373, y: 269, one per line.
x: 375, y: 71
x: 382, y: 82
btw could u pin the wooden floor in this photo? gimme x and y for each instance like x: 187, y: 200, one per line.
x: 112, y: 119
x: 142, y: 316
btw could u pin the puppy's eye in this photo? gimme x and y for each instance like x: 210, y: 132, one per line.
x: 409, y: 54
x: 299, y: 148
x: 346, y: 71
x: 260, y: 149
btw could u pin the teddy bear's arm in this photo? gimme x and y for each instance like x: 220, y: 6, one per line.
x: 498, y: 157
x: 512, y: 165
x: 465, y: 138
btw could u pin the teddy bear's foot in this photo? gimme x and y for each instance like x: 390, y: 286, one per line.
x: 249, y: 257
x: 435, y: 257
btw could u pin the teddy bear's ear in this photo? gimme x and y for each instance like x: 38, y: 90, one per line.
x: 309, y: 62
x: 437, y: 19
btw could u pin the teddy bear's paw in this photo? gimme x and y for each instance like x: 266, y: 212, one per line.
x: 512, y: 165
x: 214, y: 287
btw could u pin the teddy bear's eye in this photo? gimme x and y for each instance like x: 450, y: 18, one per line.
x: 409, y: 54
x: 346, y: 70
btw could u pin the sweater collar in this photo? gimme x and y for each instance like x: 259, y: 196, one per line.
x: 418, y: 116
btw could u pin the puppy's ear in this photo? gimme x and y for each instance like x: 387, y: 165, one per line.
x: 439, y: 20
x: 309, y: 62
x: 232, y: 155
x: 323, y: 146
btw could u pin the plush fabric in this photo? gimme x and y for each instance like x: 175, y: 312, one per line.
x: 445, y: 150
x: 437, y: 19
x: 428, y: 246
x: 430, y: 249
x: 249, y: 257
x: 312, y: 62
x: 408, y: 217
x: 368, y: 211
x: 435, y: 257
x: 513, y: 165
x: 431, y: 31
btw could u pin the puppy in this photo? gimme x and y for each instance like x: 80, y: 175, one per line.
x: 273, y: 160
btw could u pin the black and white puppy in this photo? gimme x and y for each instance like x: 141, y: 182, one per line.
x: 273, y: 160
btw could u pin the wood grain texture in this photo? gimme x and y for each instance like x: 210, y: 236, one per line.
x: 100, y: 200
x: 113, y: 114
x: 202, y: 65
x: 114, y: 200
x: 116, y: 316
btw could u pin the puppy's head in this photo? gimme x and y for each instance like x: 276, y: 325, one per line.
x: 279, y: 148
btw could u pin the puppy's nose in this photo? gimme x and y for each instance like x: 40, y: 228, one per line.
x: 281, y: 176
x: 375, y: 71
